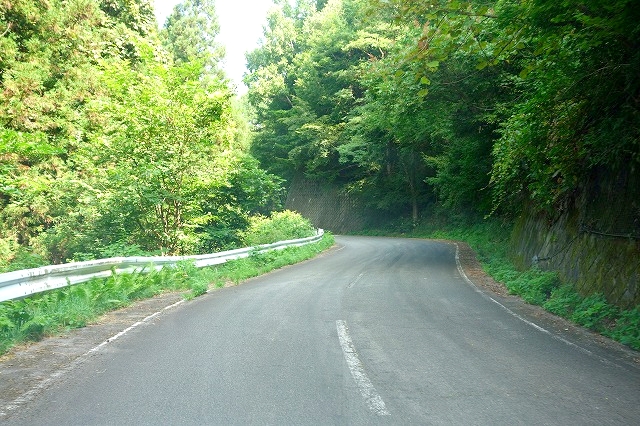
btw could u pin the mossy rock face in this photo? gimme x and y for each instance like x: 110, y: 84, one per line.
x: 586, y: 243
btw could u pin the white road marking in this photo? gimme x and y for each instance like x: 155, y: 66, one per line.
x: 44, y: 383
x: 532, y: 324
x: 372, y: 398
x: 352, y: 283
x: 128, y: 329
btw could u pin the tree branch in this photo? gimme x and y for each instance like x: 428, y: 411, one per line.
x: 477, y: 15
x: 7, y: 30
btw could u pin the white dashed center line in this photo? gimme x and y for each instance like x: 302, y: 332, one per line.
x: 371, y: 397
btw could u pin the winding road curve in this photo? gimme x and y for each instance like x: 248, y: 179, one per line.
x: 375, y: 331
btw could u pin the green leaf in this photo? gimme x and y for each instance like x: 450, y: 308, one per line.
x: 525, y: 72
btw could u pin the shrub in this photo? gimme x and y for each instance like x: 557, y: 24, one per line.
x: 595, y: 313
x: 534, y: 286
x: 280, y: 226
x: 23, y: 258
x: 627, y: 328
x: 563, y: 301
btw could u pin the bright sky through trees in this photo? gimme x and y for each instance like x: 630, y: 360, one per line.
x: 241, y: 23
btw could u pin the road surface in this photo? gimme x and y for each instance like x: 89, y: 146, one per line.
x: 376, y: 331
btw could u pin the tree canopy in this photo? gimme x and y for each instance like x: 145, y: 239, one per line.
x: 476, y: 106
x: 116, y: 138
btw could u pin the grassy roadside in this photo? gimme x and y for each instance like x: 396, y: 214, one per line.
x: 490, y: 241
x: 50, y: 313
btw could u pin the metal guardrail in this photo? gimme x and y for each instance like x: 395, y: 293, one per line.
x: 17, y: 284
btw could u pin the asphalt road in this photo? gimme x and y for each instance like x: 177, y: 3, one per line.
x: 376, y: 331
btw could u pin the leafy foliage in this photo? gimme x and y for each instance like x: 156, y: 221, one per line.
x: 563, y: 301
x: 627, y: 328
x: 594, y: 312
x: 473, y: 106
x: 280, y: 226
x: 559, y: 131
x: 117, y: 139
x: 534, y: 286
x: 189, y: 34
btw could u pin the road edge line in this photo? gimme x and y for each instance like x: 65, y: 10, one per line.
x: 521, y: 318
x: 29, y: 395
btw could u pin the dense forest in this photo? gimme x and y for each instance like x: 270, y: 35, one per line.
x: 478, y: 107
x: 117, y: 138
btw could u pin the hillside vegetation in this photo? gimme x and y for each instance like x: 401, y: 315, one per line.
x: 478, y: 107
x: 117, y: 138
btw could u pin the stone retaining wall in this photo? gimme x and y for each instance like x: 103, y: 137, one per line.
x: 593, y: 244
x: 326, y: 206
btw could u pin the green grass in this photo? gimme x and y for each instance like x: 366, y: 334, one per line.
x: 56, y: 311
x: 490, y: 240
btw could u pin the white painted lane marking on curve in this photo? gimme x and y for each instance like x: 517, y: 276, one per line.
x: 128, y: 329
x: 526, y: 321
x: 352, y: 283
x: 367, y: 390
x: 31, y: 394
